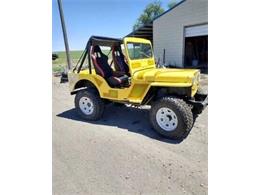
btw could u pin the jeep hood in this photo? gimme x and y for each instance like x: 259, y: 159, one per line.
x: 172, y: 75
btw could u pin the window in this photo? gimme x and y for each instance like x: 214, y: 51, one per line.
x: 139, y: 50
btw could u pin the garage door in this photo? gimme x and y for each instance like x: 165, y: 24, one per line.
x: 195, y: 31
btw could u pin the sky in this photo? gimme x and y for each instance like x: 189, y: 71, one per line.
x: 83, y: 18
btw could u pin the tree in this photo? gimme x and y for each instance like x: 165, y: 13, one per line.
x: 151, y: 11
x: 172, y: 3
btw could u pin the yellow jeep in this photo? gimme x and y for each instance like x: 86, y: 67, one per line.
x: 127, y: 73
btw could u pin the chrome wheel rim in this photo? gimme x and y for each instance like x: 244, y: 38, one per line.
x: 86, y: 105
x: 167, y: 119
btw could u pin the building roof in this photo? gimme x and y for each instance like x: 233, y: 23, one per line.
x: 176, y: 5
x: 146, y: 31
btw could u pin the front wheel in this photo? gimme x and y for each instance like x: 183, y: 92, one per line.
x: 171, y: 117
x: 89, y: 105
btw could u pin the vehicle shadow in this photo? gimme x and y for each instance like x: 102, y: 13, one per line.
x: 132, y: 119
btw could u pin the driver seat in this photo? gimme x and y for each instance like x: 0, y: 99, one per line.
x: 103, y: 69
x: 119, y: 60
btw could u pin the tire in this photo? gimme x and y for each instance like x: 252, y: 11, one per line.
x: 171, y: 117
x: 89, y: 105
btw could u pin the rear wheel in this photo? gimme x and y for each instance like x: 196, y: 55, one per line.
x: 89, y: 105
x: 171, y: 117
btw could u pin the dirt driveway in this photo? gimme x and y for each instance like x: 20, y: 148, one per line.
x: 121, y: 154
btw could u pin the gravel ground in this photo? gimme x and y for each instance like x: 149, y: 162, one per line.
x: 121, y: 154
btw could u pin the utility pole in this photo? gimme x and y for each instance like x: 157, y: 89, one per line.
x: 65, y: 35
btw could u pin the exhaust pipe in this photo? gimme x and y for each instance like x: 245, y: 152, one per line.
x: 64, y: 76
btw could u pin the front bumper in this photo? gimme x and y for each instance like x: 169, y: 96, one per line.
x: 199, y: 103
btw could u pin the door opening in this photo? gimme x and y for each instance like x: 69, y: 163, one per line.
x: 196, y: 52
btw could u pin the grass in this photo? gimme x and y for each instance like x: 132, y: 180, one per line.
x: 60, y: 63
x: 62, y: 60
x: 58, y: 68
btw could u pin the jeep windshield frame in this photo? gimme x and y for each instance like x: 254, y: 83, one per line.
x: 139, y: 51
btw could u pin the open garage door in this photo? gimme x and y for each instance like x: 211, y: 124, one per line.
x: 196, y: 47
x: 195, y: 31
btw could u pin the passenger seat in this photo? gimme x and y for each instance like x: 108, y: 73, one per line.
x: 119, y: 60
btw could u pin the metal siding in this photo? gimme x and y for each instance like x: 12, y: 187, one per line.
x: 168, y: 30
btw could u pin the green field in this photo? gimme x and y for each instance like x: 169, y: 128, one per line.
x: 61, y: 62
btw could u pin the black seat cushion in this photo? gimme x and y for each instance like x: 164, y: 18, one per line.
x: 118, y: 81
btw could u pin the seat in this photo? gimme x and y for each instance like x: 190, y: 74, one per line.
x: 103, y: 69
x: 119, y: 60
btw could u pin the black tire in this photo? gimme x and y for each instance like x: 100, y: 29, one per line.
x: 98, y: 104
x: 181, y: 110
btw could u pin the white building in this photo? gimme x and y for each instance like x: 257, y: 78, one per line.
x: 180, y: 35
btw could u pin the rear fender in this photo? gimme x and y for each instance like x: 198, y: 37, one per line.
x: 83, y: 85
